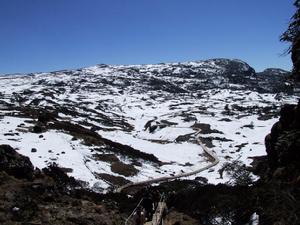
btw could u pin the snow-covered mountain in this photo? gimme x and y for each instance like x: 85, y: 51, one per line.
x: 108, y: 125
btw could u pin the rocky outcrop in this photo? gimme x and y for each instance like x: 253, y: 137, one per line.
x: 31, y: 196
x: 279, y: 187
x: 15, y: 164
x: 283, y: 143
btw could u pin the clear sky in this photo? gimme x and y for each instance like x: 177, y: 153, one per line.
x: 47, y: 35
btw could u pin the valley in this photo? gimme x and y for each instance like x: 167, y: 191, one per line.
x: 111, y: 125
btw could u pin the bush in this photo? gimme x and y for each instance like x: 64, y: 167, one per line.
x: 238, y: 173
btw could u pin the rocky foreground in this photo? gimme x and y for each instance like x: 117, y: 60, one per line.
x: 48, y: 196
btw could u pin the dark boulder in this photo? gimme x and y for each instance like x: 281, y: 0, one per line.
x: 15, y: 164
x: 37, y: 129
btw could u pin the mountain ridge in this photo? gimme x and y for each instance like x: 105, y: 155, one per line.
x: 204, y: 74
x: 133, y: 65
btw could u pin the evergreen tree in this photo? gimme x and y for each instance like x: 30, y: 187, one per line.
x: 292, y: 35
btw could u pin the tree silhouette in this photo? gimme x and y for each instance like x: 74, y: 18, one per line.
x: 292, y: 35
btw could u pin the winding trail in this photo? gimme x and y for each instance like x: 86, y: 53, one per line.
x: 215, y: 161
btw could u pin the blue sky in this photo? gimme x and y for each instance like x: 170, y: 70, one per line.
x: 47, y: 35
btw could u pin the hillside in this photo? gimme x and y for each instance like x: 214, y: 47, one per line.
x: 107, y: 125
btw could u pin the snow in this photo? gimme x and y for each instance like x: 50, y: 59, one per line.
x: 173, y: 152
x: 136, y: 105
x: 53, y: 147
x: 254, y: 220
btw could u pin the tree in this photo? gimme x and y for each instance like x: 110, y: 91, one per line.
x: 292, y: 35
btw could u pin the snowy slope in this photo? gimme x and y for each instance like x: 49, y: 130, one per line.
x: 155, y: 109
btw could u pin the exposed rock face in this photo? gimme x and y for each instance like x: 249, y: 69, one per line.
x: 281, y: 185
x: 283, y: 143
x: 15, y: 164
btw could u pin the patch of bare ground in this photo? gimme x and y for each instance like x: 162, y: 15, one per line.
x: 208, y: 141
x: 205, y: 128
x: 110, y: 158
x: 113, y: 180
x: 184, y: 138
x: 124, y: 169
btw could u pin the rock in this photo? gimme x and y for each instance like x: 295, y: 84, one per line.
x: 152, y: 128
x: 279, y: 141
x: 37, y: 129
x: 33, y: 150
x: 15, y: 164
